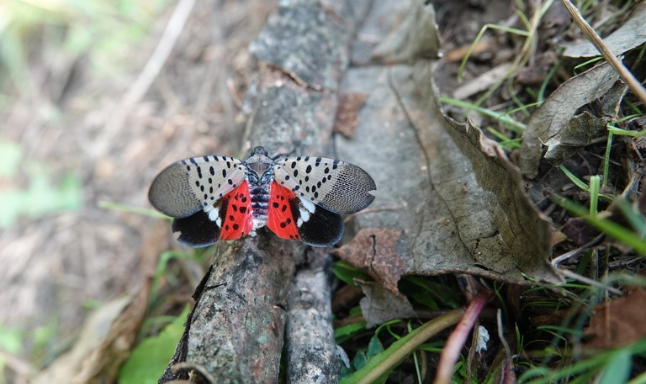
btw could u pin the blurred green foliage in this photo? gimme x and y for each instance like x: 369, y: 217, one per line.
x: 11, y: 342
x: 40, y: 196
x: 148, y: 361
x: 102, y: 30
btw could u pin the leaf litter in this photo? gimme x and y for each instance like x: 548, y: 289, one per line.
x: 375, y: 250
x: 618, y: 322
x: 380, y: 305
x: 462, y: 208
x: 462, y: 204
x: 631, y: 34
x: 555, y: 124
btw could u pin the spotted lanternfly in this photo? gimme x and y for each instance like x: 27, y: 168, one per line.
x: 302, y: 198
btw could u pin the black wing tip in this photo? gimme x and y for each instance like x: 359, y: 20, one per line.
x: 323, y: 229
x: 365, y: 203
x: 188, y: 243
x: 329, y: 243
x: 197, y: 230
x: 368, y: 197
x: 363, y: 177
x: 369, y: 180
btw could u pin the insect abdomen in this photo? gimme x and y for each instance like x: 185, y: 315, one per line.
x: 259, y: 204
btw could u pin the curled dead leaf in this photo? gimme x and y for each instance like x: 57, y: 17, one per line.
x: 462, y: 207
x: 416, y: 38
x: 92, y: 352
x: 575, y: 134
x: 381, y: 305
x: 549, y: 126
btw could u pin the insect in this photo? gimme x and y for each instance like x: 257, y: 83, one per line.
x: 215, y: 198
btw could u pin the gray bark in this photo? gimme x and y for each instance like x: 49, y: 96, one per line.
x: 311, y: 349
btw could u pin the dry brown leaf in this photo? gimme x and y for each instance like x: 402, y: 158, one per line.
x: 347, y: 120
x: 618, y: 322
x: 374, y: 250
x: 103, y: 364
x: 108, y: 336
x: 461, y: 204
x: 416, y: 38
x: 381, y: 305
x: 630, y: 35
x: 575, y: 134
x: 546, y: 125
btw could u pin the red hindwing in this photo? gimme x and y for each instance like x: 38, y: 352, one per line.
x: 237, y: 218
x: 280, y: 218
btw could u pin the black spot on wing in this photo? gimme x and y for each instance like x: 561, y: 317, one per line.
x: 323, y: 229
x: 196, y: 230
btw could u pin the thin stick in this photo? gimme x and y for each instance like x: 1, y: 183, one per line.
x: 585, y: 280
x: 150, y: 72
x: 595, y: 39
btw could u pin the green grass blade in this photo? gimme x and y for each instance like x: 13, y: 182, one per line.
x: 636, y: 220
x: 346, y: 332
x: 623, y: 132
x: 608, y: 227
x: 617, y: 370
x: 578, y: 182
x: 508, y: 121
x: 595, y: 182
x: 606, y: 159
x: 402, y: 348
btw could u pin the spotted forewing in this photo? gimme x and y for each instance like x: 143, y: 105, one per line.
x: 216, y: 198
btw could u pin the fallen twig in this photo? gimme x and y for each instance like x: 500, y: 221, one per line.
x: 625, y: 74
